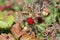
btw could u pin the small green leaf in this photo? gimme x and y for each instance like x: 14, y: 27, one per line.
x: 50, y: 19
x: 41, y: 27
x: 53, y: 2
x: 22, y: 25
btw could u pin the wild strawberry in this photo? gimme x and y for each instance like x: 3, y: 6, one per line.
x: 39, y: 19
x: 30, y: 20
x: 2, y: 8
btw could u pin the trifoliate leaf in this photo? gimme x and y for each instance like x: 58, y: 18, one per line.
x: 51, y: 8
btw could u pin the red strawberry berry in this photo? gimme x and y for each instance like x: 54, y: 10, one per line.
x: 30, y: 20
x: 2, y: 8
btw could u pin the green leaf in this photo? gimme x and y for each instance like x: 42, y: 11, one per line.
x: 50, y: 19
x: 58, y: 13
x: 7, y: 23
x: 53, y: 2
x: 52, y: 14
x: 22, y: 25
x: 10, y: 20
x: 3, y: 24
x: 1, y: 15
x: 39, y: 36
x: 41, y: 27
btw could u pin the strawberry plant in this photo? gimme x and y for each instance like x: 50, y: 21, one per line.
x: 30, y: 19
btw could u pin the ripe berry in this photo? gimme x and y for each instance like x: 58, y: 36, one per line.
x: 30, y: 20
